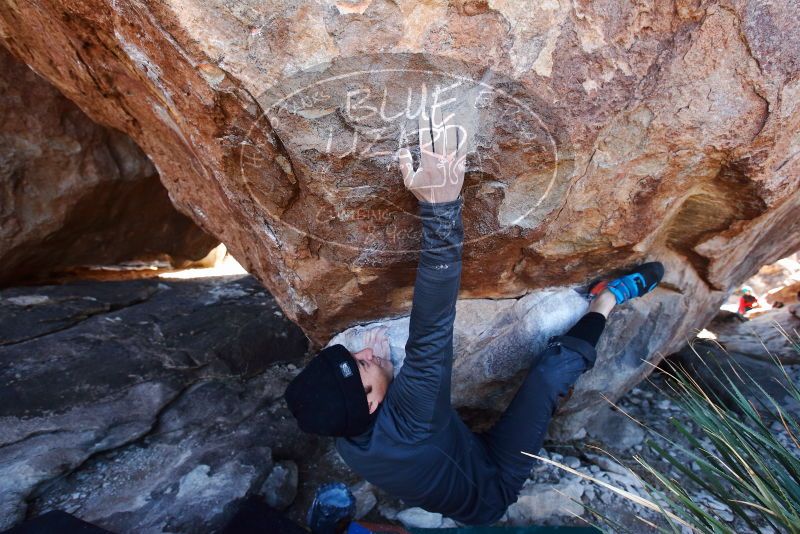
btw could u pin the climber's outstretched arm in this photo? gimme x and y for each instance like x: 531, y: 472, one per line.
x: 420, y: 395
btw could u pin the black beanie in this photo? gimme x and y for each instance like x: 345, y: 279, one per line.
x: 327, y: 397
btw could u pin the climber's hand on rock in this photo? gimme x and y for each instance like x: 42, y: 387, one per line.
x: 378, y: 341
x: 443, y: 154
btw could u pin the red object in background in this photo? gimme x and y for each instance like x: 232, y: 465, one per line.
x: 746, y: 303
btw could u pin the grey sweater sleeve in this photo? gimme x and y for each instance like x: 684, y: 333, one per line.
x: 418, y: 401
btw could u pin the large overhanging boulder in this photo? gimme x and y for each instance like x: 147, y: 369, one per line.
x: 75, y: 194
x: 607, y: 134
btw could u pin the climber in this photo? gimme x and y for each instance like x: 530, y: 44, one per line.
x: 747, y: 301
x: 402, y: 434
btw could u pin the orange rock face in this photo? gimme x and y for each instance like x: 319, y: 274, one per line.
x: 606, y: 135
x: 73, y: 193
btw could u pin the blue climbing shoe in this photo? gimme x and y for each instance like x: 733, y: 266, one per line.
x: 635, y: 284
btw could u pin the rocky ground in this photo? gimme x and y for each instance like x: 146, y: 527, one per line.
x: 143, y: 405
x: 155, y: 405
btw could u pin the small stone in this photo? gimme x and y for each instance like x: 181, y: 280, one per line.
x: 28, y: 300
x: 419, y: 518
x: 594, y: 469
x: 543, y: 501
x: 615, y: 429
x: 388, y: 512
x: 571, y: 462
x: 365, y: 498
x: 280, y: 488
x: 714, y: 503
x: 608, y: 464
x: 628, y: 480
x: 725, y: 516
x: 721, y: 509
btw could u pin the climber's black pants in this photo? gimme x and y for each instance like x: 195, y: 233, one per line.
x: 523, y: 426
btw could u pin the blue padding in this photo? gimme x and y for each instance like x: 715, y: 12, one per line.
x: 616, y: 291
x: 626, y: 288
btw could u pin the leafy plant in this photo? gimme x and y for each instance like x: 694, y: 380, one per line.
x: 740, y: 460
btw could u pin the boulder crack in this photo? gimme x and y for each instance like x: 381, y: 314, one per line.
x: 81, y: 318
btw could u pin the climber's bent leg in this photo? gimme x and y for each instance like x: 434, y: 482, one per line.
x: 523, y: 426
x: 589, y: 328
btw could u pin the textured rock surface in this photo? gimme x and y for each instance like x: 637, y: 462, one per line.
x: 142, y: 405
x: 657, y: 130
x: 612, y: 427
x: 781, y: 281
x: 74, y: 193
x: 501, y: 337
x: 542, y: 501
x: 419, y: 518
x: 280, y: 488
x: 753, y: 376
x: 772, y: 279
x: 788, y: 294
x: 365, y: 498
x: 761, y: 338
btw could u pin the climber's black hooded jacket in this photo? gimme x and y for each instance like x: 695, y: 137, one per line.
x: 418, y: 449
